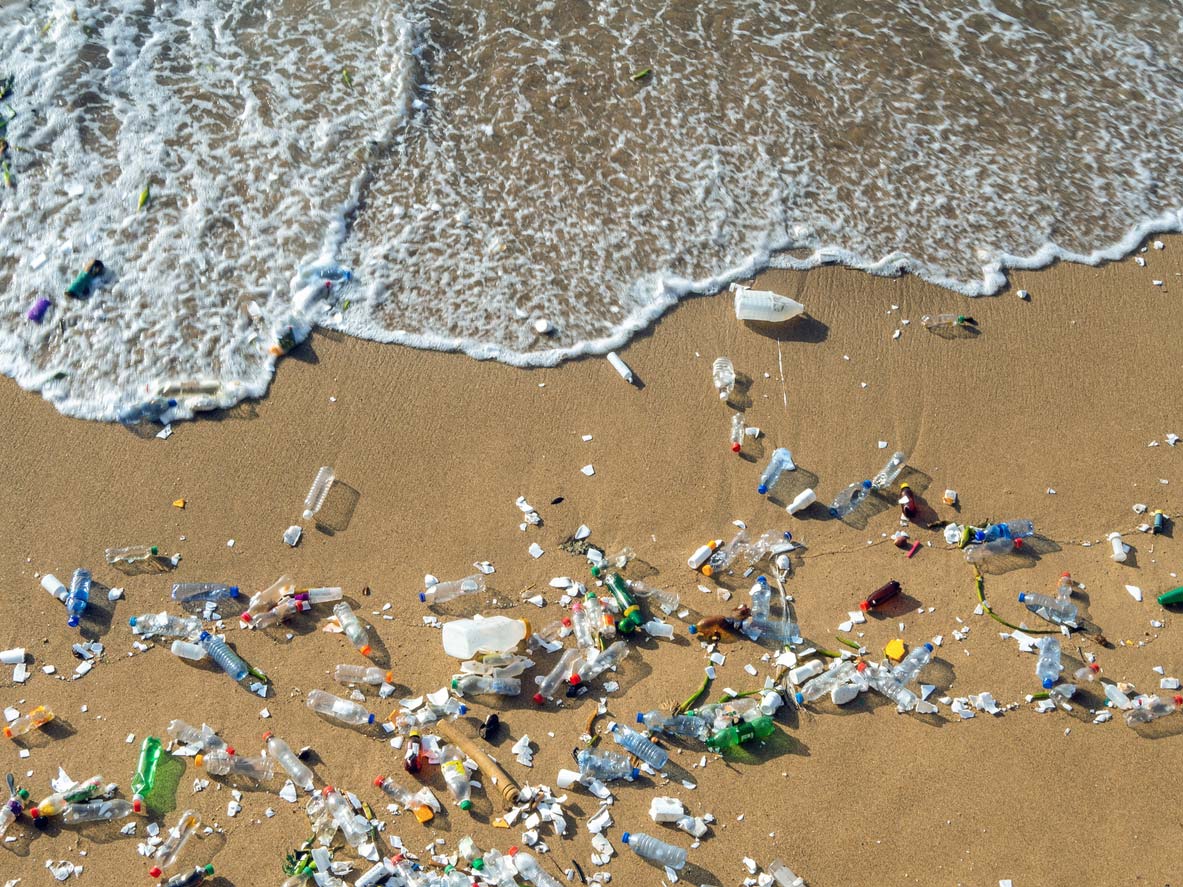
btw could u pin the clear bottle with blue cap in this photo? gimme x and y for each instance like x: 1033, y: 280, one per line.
x: 761, y: 605
x: 1049, y: 665
x: 78, y: 597
x: 655, y: 850
x: 605, y: 764
x: 911, y: 664
x: 640, y: 745
x: 219, y: 651
x: 675, y: 725
x: 345, y: 711
x: 1054, y: 609
x: 193, y: 596
x: 1014, y: 529
x: 779, y: 462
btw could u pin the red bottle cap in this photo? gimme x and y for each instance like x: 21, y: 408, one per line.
x: 154, y: 872
x: 379, y: 780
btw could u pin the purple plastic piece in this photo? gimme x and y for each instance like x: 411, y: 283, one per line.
x: 37, y: 312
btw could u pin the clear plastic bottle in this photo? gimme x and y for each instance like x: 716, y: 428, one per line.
x: 409, y: 721
x: 581, y: 625
x: 33, y: 720
x: 446, y: 591
x: 78, y: 597
x: 193, y: 596
x: 416, y: 802
x: 321, y: 595
x: 1014, y: 529
x: 882, y: 680
x: 281, y: 612
x: 530, y: 869
x: 938, y: 321
x: 1150, y: 708
x: 188, y: 650
x: 738, y: 427
x: 599, y: 618
x: 850, y: 499
x: 220, y: 762
x: 761, y: 605
x: 14, y: 806
x: 194, y: 878
x: 1057, y: 610
x: 131, y: 554
x: 782, y: 874
x: 96, y: 811
x: 262, y: 601
x: 174, y: 842
x: 655, y: 850
x: 605, y: 764
x: 362, y: 674
x: 886, y: 477
x: 165, y: 625
x: 75, y: 794
x: 355, y: 828
x: 550, y: 683
x: 204, y: 739
x: 976, y: 554
x: 456, y: 775
x: 768, y: 542
x: 343, y: 710
x: 1117, y: 698
x: 280, y: 751
x: 675, y: 725
x: 1049, y: 665
x: 1119, y: 549
x: 911, y: 664
x: 550, y: 633
x: 723, y: 375
x: 779, y: 462
x: 219, y: 651
x: 593, y: 668
x: 464, y: 638
x: 640, y: 745
x: 318, y: 492
x: 665, y: 599
x: 482, y: 684
x: 839, y: 673
x: 354, y: 630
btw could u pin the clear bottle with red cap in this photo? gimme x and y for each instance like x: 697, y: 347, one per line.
x: 738, y: 427
x: 591, y: 669
x: 280, y: 751
x: 456, y: 775
x: 1151, y: 708
x: 174, y: 842
x: 75, y: 794
x: 419, y: 803
x: 362, y: 674
x: 881, y: 595
x: 354, y: 630
x: 345, y: 711
x: 549, y: 684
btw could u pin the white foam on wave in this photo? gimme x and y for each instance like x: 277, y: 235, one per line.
x: 490, y: 165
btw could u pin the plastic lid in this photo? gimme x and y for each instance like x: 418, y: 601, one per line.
x: 422, y: 597
x: 864, y: 606
x: 379, y: 780
x: 539, y: 699
x: 707, y: 569
x: 928, y: 647
x: 1022, y: 597
x: 478, y: 864
x: 199, y: 761
x: 575, y: 680
x: 137, y: 804
x: 1018, y: 543
x: 23, y: 794
x: 866, y: 485
x: 762, y: 489
x: 72, y: 621
x: 625, y: 837
x: 246, y: 617
x: 132, y: 621
x: 1178, y: 700
x: 154, y: 550
x: 1048, y: 683
x: 1065, y: 575
x: 463, y: 708
x: 735, y: 448
x: 636, y: 772
x: 465, y: 804
x: 904, y: 487
x: 455, y: 683
x: 208, y: 868
x: 366, y: 650
x: 640, y: 718
x: 371, y: 720
x: 204, y: 635
x: 34, y: 812
x: 694, y: 629
x: 154, y: 872
x: 267, y: 734
x: 233, y: 591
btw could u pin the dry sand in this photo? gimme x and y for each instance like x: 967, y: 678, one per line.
x: 1063, y: 392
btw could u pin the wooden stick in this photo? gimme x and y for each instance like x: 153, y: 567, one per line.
x: 507, y: 789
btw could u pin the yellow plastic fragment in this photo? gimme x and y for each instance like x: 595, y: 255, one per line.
x: 895, y: 650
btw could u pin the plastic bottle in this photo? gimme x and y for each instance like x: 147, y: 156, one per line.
x: 194, y: 878
x: 764, y: 306
x: 723, y: 375
x: 464, y: 638
x: 549, y: 634
x: 666, y: 599
x: 779, y: 462
x: 716, y: 628
x: 761, y: 606
x: 131, y: 554
x: 743, y: 732
x: 630, y: 613
x: 1014, y: 529
x: 886, y: 477
x: 204, y: 739
x: 408, y: 721
x: 174, y: 842
x: 75, y: 794
x: 35, y: 719
x: 801, y: 501
x: 850, y: 499
x: 839, y: 673
x: 280, y: 751
x: 911, y: 664
x: 1055, y: 610
x: 675, y: 725
x: 803, y: 673
x: 353, y: 628
x: 1049, y: 666
x: 344, y: 710
x: 165, y: 625
x: 639, y: 745
x: 1150, y: 708
x: 318, y: 492
x: 413, y: 752
x: 550, y: 683
x: 976, y: 554
x: 362, y: 674
x: 769, y: 542
x: 881, y: 595
x: 882, y: 680
x: 620, y: 366
x: 1065, y: 586
x: 281, y: 612
x: 144, y: 779
x: 380, y: 871
x: 530, y: 869
x: 262, y: 601
x: 78, y: 597
x: 593, y: 668
x: 600, y: 619
x: 355, y: 828
x: 655, y: 850
x: 13, y: 807
x: 937, y: 321
x: 219, y: 651
x: 605, y: 764
x: 783, y: 875
x: 79, y: 287
x: 220, y: 762
x: 193, y: 596
x: 446, y: 591
x: 481, y: 684
x: 456, y: 776
x: 324, y: 595
x: 416, y: 802
x: 738, y: 427
x: 908, y: 503
x: 96, y: 811
x: 1119, y: 550
x: 703, y: 553
x: 187, y: 650
x: 581, y: 626
x: 151, y: 410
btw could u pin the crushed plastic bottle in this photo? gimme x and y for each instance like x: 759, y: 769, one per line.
x: 14, y: 806
x: 220, y: 762
x: 219, y: 651
x: 1014, y: 529
x: 783, y: 875
x: 483, y: 684
x: 362, y: 674
x: 530, y: 869
x: 464, y: 638
x: 456, y: 775
x: 591, y: 669
x: 640, y: 746
x: 976, y: 554
x: 1049, y: 665
x: 779, y: 462
x: 318, y: 492
x: 446, y: 591
x: 770, y: 542
x: 884, y: 681
x: 193, y: 596
x: 549, y: 684
x: 78, y: 597
x: 741, y: 733
x: 665, y: 599
x: 839, y: 673
x: 355, y: 828
x: 174, y: 842
x: 409, y: 721
x: 894, y: 467
x: 850, y: 499
x: 262, y: 601
x: 75, y: 794
x: 132, y: 554
x: 144, y: 779
x: 605, y: 765
x: 655, y: 850
x: 723, y: 376
x: 354, y: 630
x: 1150, y: 708
x: 911, y: 664
x: 601, y: 620
x: 164, y: 624
x: 194, y: 878
x: 1057, y: 610
x: 281, y: 612
x: 280, y: 751
x: 419, y: 803
x: 32, y: 720
x: 203, y: 739
x: 675, y: 725
x: 96, y: 811
x: 947, y: 321
x: 343, y: 710
x: 738, y: 427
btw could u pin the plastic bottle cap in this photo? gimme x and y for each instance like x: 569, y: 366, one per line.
x: 864, y: 606
x: 707, y: 569
x: 735, y: 448
x: 245, y: 617
x: 928, y: 647
x: 422, y: 597
x: 762, y: 489
x: 132, y: 621
x: 154, y: 872
x: 539, y: 699
x: 1178, y: 700
x: 1018, y: 543
x: 137, y: 804
x: 1065, y: 575
x: 478, y: 864
x: 1022, y: 597
x: 455, y: 683
x: 365, y: 651
x: 694, y: 629
x: 390, y: 677
x: 625, y: 837
x: 267, y: 735
x: 34, y: 812
x: 199, y: 761
x: 463, y: 709
x: 640, y: 718
x: 575, y: 680
x: 72, y: 622
x: 208, y: 868
x: 465, y: 805
x: 636, y: 772
x: 1048, y: 683
x: 379, y: 780
x: 371, y: 720
x: 205, y: 635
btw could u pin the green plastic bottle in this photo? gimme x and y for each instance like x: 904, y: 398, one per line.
x: 1174, y: 596
x: 630, y: 613
x: 145, y: 778
x: 80, y: 288
x: 738, y: 734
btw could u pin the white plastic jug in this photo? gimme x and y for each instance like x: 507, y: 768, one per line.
x: 765, y: 306
x: 464, y: 638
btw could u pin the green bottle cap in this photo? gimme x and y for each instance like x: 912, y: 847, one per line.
x: 1174, y: 596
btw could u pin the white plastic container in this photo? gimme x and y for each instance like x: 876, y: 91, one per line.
x: 765, y: 306
x: 803, y: 500
x: 464, y: 638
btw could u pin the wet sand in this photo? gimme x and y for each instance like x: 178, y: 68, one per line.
x: 1063, y: 392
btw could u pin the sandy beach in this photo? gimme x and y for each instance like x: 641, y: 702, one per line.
x: 1063, y: 392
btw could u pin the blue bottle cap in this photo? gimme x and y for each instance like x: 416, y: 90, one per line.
x: 132, y: 621
x: 640, y: 718
x: 762, y: 489
x: 625, y: 837
x: 234, y: 591
x: 800, y: 699
x: 788, y: 536
x: 72, y: 622
x: 371, y: 720
x: 979, y: 535
x: 422, y: 597
x: 463, y: 708
x: 1048, y: 683
x: 1022, y: 597
x: 636, y: 773
x: 694, y: 629
x: 928, y: 647
x: 204, y: 636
